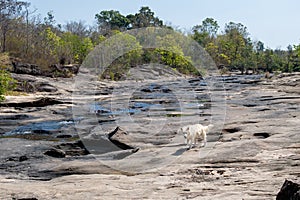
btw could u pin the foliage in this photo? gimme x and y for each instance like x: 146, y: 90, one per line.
x: 128, y: 53
x: 177, y: 61
x: 73, y: 48
x: 9, y: 10
x: 4, y: 60
x: 168, y: 52
x: 41, y: 41
x: 6, y: 83
x: 234, y: 50
x: 205, y: 32
x: 144, y: 18
x: 111, y: 20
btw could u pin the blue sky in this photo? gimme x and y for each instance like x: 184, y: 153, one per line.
x: 274, y: 22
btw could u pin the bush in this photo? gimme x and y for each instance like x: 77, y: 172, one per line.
x: 6, y: 83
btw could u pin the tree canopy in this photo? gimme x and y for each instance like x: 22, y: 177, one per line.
x: 30, y: 38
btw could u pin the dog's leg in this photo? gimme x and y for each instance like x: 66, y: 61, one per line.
x: 190, y: 143
x: 195, y: 140
x: 204, y: 139
x: 204, y: 143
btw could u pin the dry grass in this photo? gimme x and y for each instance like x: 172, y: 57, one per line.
x: 15, y: 93
x: 5, y: 61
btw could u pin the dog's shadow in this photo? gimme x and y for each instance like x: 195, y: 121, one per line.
x: 179, y: 152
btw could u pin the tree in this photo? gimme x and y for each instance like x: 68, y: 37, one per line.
x: 6, y: 82
x: 238, y: 45
x: 296, y: 66
x: 259, y: 46
x: 209, y: 26
x: 111, y: 20
x: 9, y: 10
x: 126, y: 49
x: 170, y: 52
x: 295, y: 59
x: 272, y: 60
x: 49, y: 20
x: 145, y: 18
x: 258, y: 54
x: 77, y: 28
x: 206, y: 32
x: 236, y: 28
x: 297, y: 49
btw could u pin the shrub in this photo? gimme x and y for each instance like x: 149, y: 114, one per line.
x: 6, y: 83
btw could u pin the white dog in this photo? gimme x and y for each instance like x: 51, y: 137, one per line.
x: 195, y: 132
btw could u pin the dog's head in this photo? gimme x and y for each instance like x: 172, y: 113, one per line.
x: 185, y: 135
x: 183, y: 131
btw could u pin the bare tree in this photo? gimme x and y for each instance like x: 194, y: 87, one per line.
x: 77, y: 28
x: 9, y: 10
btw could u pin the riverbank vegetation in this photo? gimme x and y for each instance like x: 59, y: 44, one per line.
x: 29, y: 38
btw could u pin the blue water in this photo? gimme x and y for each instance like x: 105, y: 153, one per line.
x: 136, y: 107
x: 40, y: 127
x: 99, y: 109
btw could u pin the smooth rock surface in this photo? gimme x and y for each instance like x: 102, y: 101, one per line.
x: 256, y: 150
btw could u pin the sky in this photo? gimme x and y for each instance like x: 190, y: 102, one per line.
x: 274, y: 22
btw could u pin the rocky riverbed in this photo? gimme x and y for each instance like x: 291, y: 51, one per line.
x: 119, y: 140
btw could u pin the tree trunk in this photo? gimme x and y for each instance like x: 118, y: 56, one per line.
x: 4, y: 42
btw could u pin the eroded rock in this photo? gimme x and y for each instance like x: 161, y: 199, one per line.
x: 224, y: 170
x: 121, y: 139
x: 42, y: 102
x: 73, y: 148
x: 56, y: 153
x: 289, y: 191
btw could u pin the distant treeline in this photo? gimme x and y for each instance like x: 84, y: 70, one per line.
x: 27, y: 37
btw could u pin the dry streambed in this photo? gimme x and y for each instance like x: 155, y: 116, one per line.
x: 257, y: 149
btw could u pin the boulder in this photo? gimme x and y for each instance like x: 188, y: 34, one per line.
x: 52, y: 71
x: 56, y: 153
x: 289, y: 191
x: 62, y: 70
x: 73, y: 148
x: 42, y: 102
x: 45, y: 87
x: 121, y: 138
x: 25, y: 68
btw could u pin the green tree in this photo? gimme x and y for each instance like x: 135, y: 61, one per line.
x: 170, y: 53
x: 6, y: 83
x: 126, y: 49
x: 206, y: 32
x: 144, y: 18
x: 258, y: 54
x: 218, y: 54
x: 296, y: 59
x: 111, y: 20
x: 49, y: 20
x: 238, y: 46
x: 272, y: 60
x: 233, y: 28
x: 74, y: 48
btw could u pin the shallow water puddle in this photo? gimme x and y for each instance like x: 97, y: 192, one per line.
x: 46, y: 127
